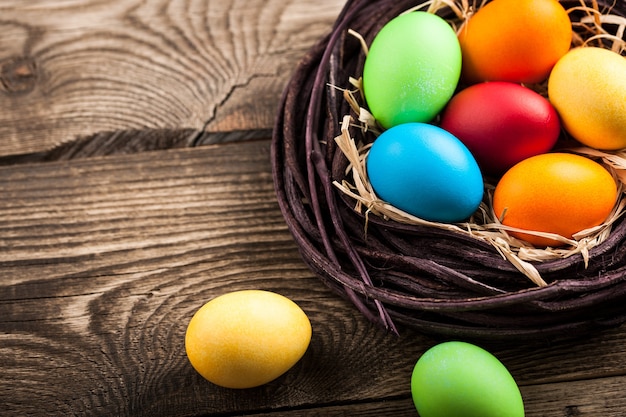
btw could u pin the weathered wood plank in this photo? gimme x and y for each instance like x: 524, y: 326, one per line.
x: 597, y: 397
x: 78, y: 68
x: 104, y: 260
x: 600, y: 397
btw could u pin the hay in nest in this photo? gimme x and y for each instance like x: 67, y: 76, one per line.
x: 463, y: 280
x: 483, y: 225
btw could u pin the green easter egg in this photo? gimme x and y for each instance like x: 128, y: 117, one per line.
x: 412, y: 69
x: 463, y: 380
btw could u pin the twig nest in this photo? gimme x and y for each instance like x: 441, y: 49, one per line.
x: 470, y: 279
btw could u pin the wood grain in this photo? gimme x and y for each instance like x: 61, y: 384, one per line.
x: 104, y: 260
x: 75, y: 69
x: 115, y: 226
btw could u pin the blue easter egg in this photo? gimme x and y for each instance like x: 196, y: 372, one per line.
x: 425, y: 171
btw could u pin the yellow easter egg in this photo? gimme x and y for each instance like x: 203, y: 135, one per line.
x: 587, y: 87
x: 244, y: 339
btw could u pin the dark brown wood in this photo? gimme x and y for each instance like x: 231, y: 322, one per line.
x: 115, y: 227
x: 72, y: 70
x: 104, y: 260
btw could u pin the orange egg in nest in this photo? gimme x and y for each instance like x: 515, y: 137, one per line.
x: 514, y: 40
x: 557, y: 193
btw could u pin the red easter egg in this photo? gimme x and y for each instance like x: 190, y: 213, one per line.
x: 502, y: 123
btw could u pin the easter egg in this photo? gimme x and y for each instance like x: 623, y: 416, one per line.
x: 502, y: 123
x: 588, y: 88
x: 425, y: 171
x: 514, y: 40
x: 247, y: 338
x: 556, y: 193
x: 462, y: 379
x: 412, y: 69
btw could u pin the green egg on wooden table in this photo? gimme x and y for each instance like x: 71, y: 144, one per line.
x: 459, y: 379
x: 412, y: 69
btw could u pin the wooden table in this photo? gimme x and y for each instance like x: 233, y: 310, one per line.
x: 135, y: 186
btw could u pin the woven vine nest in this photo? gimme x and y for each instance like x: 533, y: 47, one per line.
x: 467, y: 280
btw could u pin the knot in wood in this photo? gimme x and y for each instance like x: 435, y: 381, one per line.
x: 18, y: 75
x: 572, y: 411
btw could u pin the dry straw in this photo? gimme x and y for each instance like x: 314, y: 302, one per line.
x: 469, y: 279
x: 484, y: 225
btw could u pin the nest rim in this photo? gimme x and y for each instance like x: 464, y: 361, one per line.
x: 303, y: 172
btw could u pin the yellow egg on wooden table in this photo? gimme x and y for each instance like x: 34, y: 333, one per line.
x: 247, y: 338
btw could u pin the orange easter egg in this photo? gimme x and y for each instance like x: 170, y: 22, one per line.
x: 514, y: 40
x: 555, y: 193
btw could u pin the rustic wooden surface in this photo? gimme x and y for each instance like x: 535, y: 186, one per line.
x: 135, y: 185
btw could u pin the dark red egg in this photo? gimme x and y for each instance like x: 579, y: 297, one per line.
x: 502, y: 123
